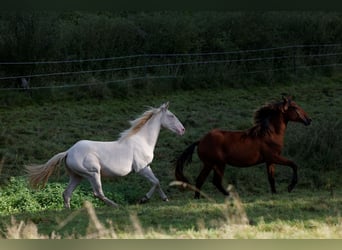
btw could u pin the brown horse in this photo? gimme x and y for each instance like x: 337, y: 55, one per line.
x: 262, y: 143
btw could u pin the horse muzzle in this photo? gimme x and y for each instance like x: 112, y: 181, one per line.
x: 181, y: 131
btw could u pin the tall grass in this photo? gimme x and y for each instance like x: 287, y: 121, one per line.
x: 319, y: 155
x: 234, y: 224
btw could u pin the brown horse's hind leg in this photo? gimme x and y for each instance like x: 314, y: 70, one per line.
x: 270, y: 174
x: 217, y: 179
x: 201, y: 178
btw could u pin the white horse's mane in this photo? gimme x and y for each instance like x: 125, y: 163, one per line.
x: 139, y: 122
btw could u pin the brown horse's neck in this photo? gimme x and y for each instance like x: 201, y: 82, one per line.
x: 279, y: 124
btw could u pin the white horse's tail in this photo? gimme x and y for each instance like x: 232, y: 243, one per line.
x: 38, y: 175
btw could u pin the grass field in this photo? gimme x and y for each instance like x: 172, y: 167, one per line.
x: 34, y: 132
x: 302, y: 214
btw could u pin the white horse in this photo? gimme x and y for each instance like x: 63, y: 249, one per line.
x: 93, y: 159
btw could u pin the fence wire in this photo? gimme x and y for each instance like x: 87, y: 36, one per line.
x: 283, y: 58
x: 172, y: 55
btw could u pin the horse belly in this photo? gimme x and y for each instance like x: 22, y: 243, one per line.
x: 243, y: 155
x: 117, y: 163
x: 121, y: 170
x: 245, y: 160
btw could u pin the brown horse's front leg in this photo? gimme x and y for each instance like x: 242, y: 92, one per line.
x: 294, y: 179
x: 270, y: 174
x: 283, y: 161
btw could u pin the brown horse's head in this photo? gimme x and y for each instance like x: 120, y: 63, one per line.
x: 293, y: 112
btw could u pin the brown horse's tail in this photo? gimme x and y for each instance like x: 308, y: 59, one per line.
x: 38, y: 175
x: 184, y: 159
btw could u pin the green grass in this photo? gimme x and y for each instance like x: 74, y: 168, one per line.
x: 33, y: 133
x: 302, y: 214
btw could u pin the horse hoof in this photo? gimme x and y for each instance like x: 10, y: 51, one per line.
x: 290, y: 188
x: 143, y: 200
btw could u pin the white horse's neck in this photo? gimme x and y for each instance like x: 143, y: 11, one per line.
x: 150, y: 131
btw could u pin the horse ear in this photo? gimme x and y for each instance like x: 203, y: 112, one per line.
x: 286, y: 102
x: 165, y: 106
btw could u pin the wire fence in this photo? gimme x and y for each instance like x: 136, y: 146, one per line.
x: 173, y: 55
x: 111, y: 70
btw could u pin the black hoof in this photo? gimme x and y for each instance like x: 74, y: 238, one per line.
x: 144, y: 200
x: 290, y: 188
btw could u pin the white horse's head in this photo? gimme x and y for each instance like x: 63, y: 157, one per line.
x: 170, y: 121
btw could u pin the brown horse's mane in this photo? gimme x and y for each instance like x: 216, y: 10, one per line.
x: 262, y: 118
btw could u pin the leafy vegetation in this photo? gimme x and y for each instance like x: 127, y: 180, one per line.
x: 84, y: 34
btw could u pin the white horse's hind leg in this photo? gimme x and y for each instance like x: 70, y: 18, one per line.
x: 147, y: 173
x: 95, y: 181
x: 73, y: 183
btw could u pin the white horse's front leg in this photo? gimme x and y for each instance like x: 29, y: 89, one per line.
x: 147, y: 173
